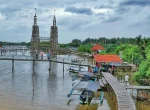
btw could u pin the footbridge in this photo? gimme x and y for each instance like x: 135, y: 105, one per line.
x: 63, y: 61
x: 119, y: 94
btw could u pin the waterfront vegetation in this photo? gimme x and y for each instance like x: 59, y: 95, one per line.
x: 132, y: 50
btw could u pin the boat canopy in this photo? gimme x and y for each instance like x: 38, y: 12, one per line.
x: 81, y: 85
x: 89, y: 85
x: 93, y: 86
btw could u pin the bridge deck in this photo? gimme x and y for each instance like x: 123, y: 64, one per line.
x: 124, y: 99
x: 29, y: 58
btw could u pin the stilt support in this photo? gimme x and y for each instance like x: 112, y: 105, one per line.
x: 49, y: 64
x: 63, y: 66
x: 13, y: 65
x: 33, y: 64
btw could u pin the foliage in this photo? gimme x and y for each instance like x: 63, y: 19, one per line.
x: 75, y: 43
x: 143, y: 71
x: 44, y: 44
x: 12, y: 43
x: 85, y: 48
x: 110, y: 48
x: 103, y: 52
x: 64, y: 45
x: 144, y: 67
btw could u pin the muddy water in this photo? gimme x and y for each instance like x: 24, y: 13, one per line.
x: 40, y: 89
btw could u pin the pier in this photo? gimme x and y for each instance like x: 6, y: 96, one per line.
x: 121, y: 98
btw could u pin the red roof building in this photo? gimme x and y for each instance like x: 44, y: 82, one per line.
x: 107, y: 58
x: 97, y: 47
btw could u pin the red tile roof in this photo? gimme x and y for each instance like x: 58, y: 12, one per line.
x: 107, y: 58
x: 97, y: 47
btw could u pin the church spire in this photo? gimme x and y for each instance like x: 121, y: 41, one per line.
x: 35, y: 18
x: 54, y: 20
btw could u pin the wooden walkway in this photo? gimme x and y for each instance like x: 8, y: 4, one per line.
x: 124, y: 100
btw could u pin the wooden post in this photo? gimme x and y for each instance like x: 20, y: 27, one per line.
x: 12, y: 63
x: 79, y: 66
x: 137, y: 93
x: 33, y: 63
x: 1, y: 51
x: 63, y: 66
x: 121, y: 77
x: 49, y: 64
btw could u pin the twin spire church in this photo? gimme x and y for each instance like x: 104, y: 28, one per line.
x: 35, y: 40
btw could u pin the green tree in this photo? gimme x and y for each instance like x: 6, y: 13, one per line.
x: 75, y: 43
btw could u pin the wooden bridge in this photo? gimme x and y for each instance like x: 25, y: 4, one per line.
x: 53, y: 59
x: 120, y: 97
x: 44, y: 59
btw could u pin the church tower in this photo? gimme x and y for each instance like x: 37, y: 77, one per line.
x: 54, y: 38
x: 35, y: 40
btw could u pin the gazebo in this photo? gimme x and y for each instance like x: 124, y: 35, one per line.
x: 96, y: 48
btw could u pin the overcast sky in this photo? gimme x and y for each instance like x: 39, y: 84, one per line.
x: 75, y: 18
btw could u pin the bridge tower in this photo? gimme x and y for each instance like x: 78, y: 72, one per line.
x: 35, y: 40
x: 54, y: 38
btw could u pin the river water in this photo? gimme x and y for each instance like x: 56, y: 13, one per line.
x: 25, y: 89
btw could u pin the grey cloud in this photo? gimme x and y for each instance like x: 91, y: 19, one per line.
x: 105, y: 7
x: 148, y: 17
x: 121, y: 10
x: 135, y: 3
x: 112, y: 19
x: 19, y: 14
x: 72, y: 23
x: 81, y: 10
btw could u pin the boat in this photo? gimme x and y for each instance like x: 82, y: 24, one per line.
x: 87, y: 88
x: 86, y: 96
x: 85, y: 76
x: 76, y: 69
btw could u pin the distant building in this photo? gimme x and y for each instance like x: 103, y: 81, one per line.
x: 54, y: 38
x: 35, y: 40
x: 97, y: 48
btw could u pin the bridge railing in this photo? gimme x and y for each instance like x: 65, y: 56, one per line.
x: 44, y: 58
